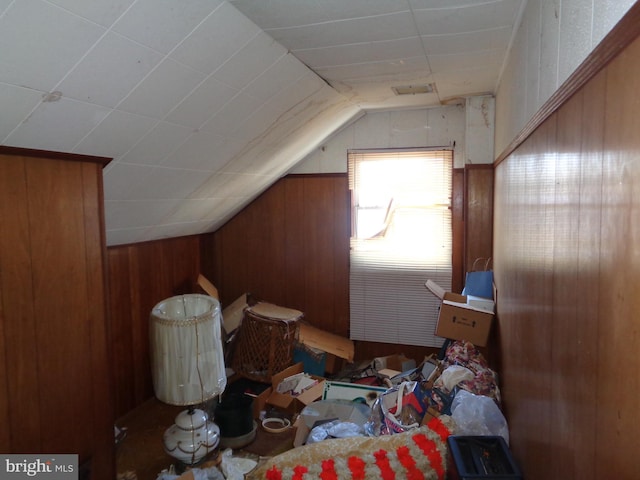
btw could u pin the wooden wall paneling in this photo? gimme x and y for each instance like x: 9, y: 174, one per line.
x: 585, y: 400
x: 565, y: 355
x: 458, y: 222
x: 341, y: 245
x: 60, y: 303
x: 232, y: 243
x: 265, y: 246
x: 295, y: 238
x: 19, y: 325
x: 140, y: 276
x: 319, y: 253
x: 53, y: 308
x: 478, y: 215
x: 103, y: 413
x: 617, y: 420
x: 123, y: 348
x: 566, y: 224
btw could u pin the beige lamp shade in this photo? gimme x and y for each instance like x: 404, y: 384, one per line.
x: 187, y: 360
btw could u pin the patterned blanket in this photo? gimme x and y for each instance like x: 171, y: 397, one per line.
x: 418, y: 454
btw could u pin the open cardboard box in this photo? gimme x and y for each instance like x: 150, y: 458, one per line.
x: 284, y: 401
x: 458, y: 320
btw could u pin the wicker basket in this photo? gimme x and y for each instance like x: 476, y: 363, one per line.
x: 265, y: 341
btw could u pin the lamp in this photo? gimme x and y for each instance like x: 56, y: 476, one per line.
x: 187, y: 365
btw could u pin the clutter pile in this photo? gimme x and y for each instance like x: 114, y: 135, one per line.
x: 391, y: 417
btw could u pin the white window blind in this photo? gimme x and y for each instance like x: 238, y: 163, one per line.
x: 401, y: 237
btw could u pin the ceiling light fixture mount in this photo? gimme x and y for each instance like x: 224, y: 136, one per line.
x: 414, y: 89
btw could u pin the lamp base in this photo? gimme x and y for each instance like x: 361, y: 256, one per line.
x: 192, y: 437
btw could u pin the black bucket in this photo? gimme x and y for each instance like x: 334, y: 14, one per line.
x: 234, y: 415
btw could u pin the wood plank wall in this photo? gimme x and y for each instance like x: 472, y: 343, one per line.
x: 289, y: 247
x: 567, y: 266
x: 140, y: 276
x: 55, y: 382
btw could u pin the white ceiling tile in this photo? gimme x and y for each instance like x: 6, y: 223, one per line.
x: 339, y: 9
x: 360, y: 30
x: 109, y: 72
x: 216, y: 40
x: 441, y: 4
x: 103, y: 13
x: 169, y: 183
x: 494, y: 39
x: 115, y: 135
x: 124, y: 236
x: 4, y: 4
x: 16, y: 104
x: 254, y: 58
x: 163, y: 24
x: 286, y: 70
x: 444, y: 63
x: 199, y: 210
x: 157, y: 144
x: 122, y: 180
x: 164, y: 88
x: 361, y: 52
x: 57, y: 125
x: 469, y: 18
x: 467, y: 81
x: 199, y: 153
x: 229, y: 119
x: 202, y: 103
x: 284, y: 14
x: 40, y: 43
x: 170, y: 230
x: 224, y: 185
x: 396, y: 68
x: 138, y: 213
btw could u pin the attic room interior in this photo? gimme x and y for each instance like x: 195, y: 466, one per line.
x: 149, y: 144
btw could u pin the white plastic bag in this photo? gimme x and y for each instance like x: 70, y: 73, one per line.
x: 478, y: 415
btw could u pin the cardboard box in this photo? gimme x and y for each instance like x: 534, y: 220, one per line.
x: 458, y: 320
x: 396, y: 362
x: 327, y: 342
x: 284, y: 401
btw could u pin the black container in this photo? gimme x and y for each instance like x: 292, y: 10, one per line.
x: 480, y: 457
x: 234, y: 415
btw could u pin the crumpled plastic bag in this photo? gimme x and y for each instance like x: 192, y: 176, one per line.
x: 478, y: 415
x: 334, y: 429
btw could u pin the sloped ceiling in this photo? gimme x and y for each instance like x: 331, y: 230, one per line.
x: 203, y: 104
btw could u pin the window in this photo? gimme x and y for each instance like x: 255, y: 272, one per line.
x: 401, y: 237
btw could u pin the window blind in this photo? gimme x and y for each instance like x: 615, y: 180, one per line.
x: 401, y: 237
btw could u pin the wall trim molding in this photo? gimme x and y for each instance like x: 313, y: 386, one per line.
x: 621, y: 36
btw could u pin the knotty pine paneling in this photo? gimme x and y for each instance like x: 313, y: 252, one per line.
x: 140, y: 276
x: 566, y: 231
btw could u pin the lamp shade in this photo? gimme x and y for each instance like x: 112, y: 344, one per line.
x: 187, y: 360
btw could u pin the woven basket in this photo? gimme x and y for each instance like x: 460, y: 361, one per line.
x: 265, y: 342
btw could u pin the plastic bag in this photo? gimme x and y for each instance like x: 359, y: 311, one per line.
x: 478, y: 415
x: 402, y: 407
x: 334, y: 429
